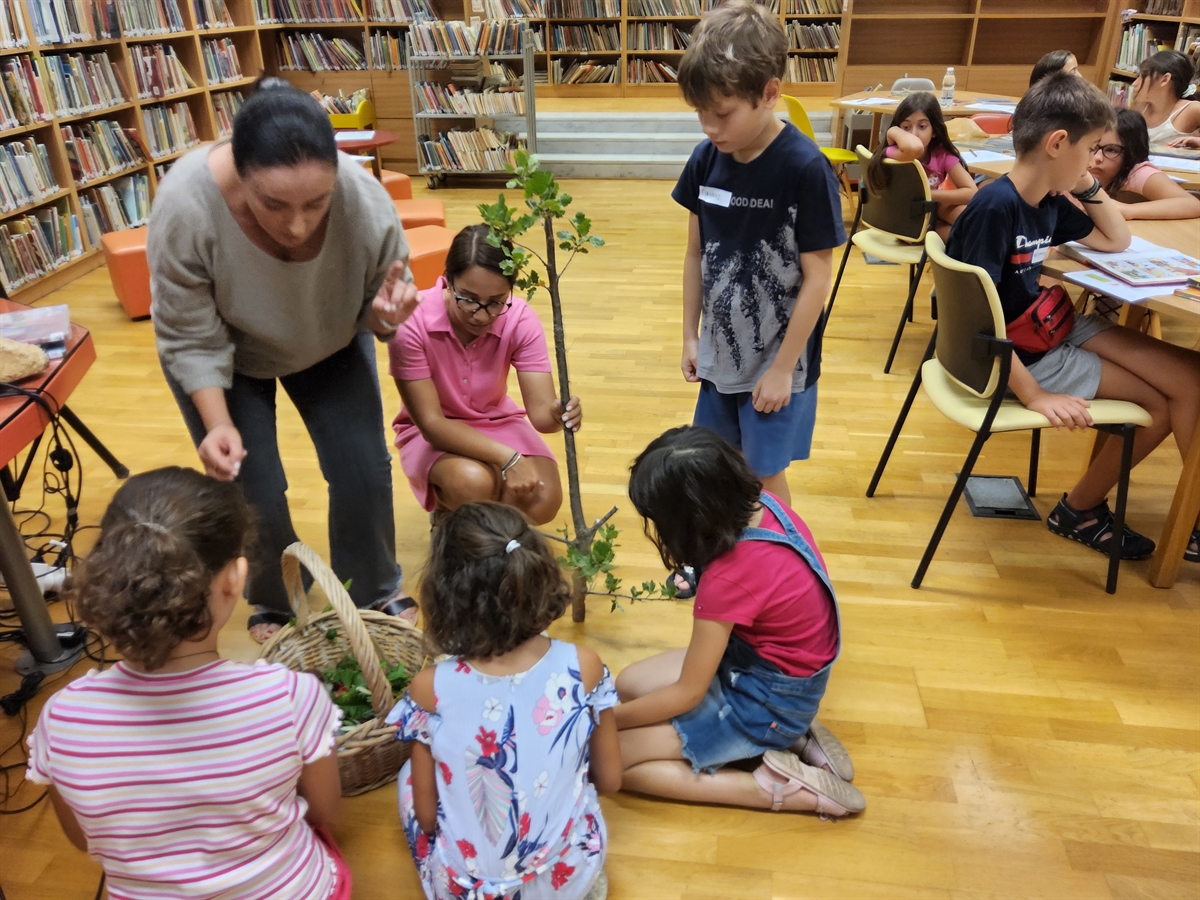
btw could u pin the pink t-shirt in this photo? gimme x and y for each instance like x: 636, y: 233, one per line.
x: 937, y: 162
x: 1135, y: 181
x: 776, y: 603
x: 185, y: 784
x: 471, y: 381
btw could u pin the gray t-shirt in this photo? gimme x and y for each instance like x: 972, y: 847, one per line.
x: 222, y: 304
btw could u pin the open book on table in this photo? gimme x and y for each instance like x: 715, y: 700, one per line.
x: 1143, y: 265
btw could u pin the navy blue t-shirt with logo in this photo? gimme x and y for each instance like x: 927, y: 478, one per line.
x: 1002, y: 234
x: 756, y: 219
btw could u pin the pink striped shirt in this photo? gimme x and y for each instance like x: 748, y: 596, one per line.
x: 185, y: 783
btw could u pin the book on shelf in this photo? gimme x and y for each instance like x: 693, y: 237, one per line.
x: 1164, y: 8
x: 651, y: 71
x: 314, y: 52
x: 221, y: 62
x: 1138, y: 41
x: 586, y: 38
x: 82, y: 82
x: 212, y: 14
x: 670, y: 7
x: 802, y: 69
x: 25, y: 87
x: 514, y: 9
x: 13, y: 35
x: 403, y: 11
x: 585, y: 9
x: 482, y: 150
x: 37, y: 243
x: 121, y: 204
x: 68, y: 21
x: 161, y: 169
x: 99, y: 148
x: 26, y: 175
x: 584, y: 72
x: 169, y: 129
x: 276, y: 12
x: 443, y: 38
x: 1187, y: 41
x: 1143, y: 264
x: 447, y: 99
x: 158, y: 71
x: 387, y: 50
x: 145, y: 17
x: 812, y: 7
x: 818, y: 36
x: 508, y: 36
x: 226, y: 105
x: 658, y: 36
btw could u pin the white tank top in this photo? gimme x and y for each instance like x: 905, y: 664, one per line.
x: 1166, y: 131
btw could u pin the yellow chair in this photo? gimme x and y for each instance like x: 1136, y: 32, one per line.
x: 967, y: 381
x: 837, y: 156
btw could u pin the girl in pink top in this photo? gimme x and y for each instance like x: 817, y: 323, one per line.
x: 462, y: 439
x: 182, y: 774
x: 918, y: 132
x: 1121, y: 162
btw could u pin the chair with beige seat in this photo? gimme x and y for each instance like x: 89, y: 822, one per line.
x: 967, y: 381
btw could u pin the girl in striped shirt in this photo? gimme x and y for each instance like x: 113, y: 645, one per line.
x: 185, y: 775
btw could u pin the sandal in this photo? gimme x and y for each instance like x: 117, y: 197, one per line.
x: 1189, y: 554
x: 835, y: 798
x: 689, y: 577
x: 399, y: 605
x: 821, y: 749
x: 267, y: 617
x: 1093, y: 528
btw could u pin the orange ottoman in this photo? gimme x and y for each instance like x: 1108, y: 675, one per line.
x: 427, y: 249
x: 125, y: 256
x: 399, y: 185
x: 415, y: 213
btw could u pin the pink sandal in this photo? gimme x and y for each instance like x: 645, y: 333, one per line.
x: 835, y: 798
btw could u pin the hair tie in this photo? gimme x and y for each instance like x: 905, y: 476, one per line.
x: 153, y: 526
x: 1190, y: 91
x: 511, y: 546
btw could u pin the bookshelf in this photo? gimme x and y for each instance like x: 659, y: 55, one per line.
x: 1153, y: 25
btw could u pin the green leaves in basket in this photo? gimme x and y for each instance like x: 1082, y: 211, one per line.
x: 348, y: 688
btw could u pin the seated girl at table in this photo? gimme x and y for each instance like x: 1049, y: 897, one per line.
x: 462, y: 439
x: 1163, y: 92
x: 1121, y: 162
x: 918, y: 131
x: 1054, y: 61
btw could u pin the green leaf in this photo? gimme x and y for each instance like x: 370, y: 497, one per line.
x: 669, y: 589
x: 331, y: 634
x: 612, y: 583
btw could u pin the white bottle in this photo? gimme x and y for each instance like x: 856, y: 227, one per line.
x: 948, y: 81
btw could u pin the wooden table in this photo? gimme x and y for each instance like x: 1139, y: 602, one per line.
x: 377, y: 140
x: 1189, y: 181
x: 1182, y: 235
x: 855, y: 101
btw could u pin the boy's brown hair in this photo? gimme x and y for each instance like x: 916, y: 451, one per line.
x: 736, y: 50
x: 1060, y: 101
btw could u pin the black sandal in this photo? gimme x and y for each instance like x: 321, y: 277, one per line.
x: 1093, y: 528
x: 395, y: 606
x: 268, y: 617
x: 1189, y: 554
x: 689, y: 576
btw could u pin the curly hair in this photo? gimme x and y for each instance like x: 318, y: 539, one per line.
x: 478, y: 598
x: 164, y: 537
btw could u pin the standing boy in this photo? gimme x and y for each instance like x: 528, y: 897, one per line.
x: 765, y: 217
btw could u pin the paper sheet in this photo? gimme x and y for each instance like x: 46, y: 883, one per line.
x: 985, y: 156
x: 354, y: 135
x: 999, y: 106
x: 877, y: 101
x: 1175, y: 162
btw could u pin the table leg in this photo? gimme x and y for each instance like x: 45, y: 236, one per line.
x: 876, y: 121
x: 376, y: 166
x: 40, y: 636
x: 838, y: 135
x: 1180, y: 520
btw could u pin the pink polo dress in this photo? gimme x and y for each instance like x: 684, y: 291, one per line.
x: 471, y: 381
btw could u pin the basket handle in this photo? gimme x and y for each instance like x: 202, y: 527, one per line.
x: 364, y: 649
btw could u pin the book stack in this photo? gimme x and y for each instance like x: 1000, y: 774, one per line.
x: 657, y: 36
x: 313, y: 52
x: 821, y: 36
x: 651, y: 71
x: 813, y: 7
x: 212, y: 14
x: 401, y: 11
x: 276, y: 12
x: 341, y: 105
x: 447, y: 99
x: 121, y: 204
x: 81, y: 83
x: 1191, y: 290
x: 443, y: 38
x: 25, y: 174
x: 506, y: 37
x: 587, y: 72
x: 25, y: 87
x: 469, y: 151
x: 220, y: 61
x: 68, y: 21
x: 585, y: 37
x: 169, y: 130
x: 142, y: 17
x: 36, y: 244
x: 670, y: 7
x: 585, y: 9
x: 12, y: 26
x: 158, y: 71
x: 387, y: 50
x: 226, y: 105
x: 99, y: 148
x: 810, y: 68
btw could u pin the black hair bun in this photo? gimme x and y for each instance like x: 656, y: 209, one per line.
x: 271, y: 83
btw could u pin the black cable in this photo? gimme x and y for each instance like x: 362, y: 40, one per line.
x: 99, y: 888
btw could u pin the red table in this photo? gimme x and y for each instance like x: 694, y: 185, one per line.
x: 379, y: 139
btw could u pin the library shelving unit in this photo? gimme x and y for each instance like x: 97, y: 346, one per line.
x: 450, y: 107
x: 1153, y: 25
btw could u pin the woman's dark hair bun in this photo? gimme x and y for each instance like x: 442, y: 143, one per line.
x: 279, y: 125
x: 267, y: 82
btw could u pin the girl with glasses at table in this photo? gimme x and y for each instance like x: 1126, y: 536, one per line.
x: 462, y: 439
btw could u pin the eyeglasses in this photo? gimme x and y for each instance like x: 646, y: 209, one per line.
x: 1110, y: 151
x: 495, y: 309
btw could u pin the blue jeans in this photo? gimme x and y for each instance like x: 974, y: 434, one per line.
x: 340, y: 403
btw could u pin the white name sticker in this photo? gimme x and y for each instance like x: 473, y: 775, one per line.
x: 715, y: 196
x: 1040, y: 254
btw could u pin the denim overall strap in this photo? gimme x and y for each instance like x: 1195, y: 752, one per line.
x: 794, y: 539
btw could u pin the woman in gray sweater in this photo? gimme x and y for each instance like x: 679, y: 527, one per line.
x: 274, y: 258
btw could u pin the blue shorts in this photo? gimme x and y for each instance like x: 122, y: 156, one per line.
x: 769, y: 441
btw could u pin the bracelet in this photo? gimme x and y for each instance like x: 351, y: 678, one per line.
x: 512, y: 461
x: 1090, y: 192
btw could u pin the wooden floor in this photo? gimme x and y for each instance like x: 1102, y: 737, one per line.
x: 1016, y: 731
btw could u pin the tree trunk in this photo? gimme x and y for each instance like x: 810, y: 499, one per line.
x: 578, y: 598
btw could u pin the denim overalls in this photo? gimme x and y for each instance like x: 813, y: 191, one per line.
x: 751, y: 706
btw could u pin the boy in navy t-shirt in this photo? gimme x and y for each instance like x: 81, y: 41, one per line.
x: 765, y: 217
x: 1008, y: 229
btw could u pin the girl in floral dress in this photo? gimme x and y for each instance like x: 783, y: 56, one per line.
x: 513, y: 735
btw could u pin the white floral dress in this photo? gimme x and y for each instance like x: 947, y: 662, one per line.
x: 517, y: 817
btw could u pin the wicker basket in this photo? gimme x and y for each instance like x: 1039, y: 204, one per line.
x: 369, y: 756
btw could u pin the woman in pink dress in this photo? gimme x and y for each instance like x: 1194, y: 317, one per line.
x: 461, y: 437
